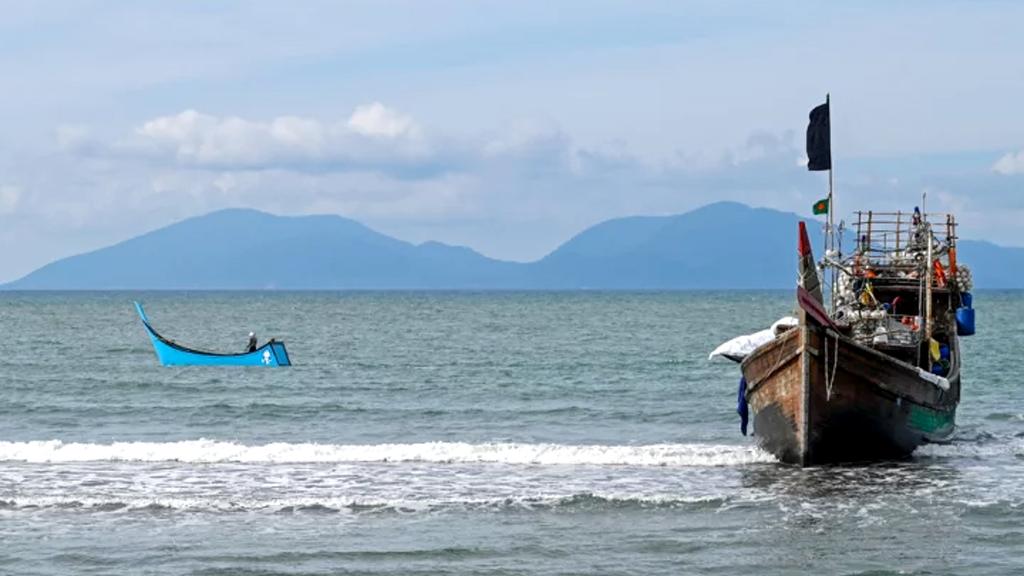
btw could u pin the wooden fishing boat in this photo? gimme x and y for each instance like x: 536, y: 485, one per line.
x: 877, y: 373
x: 863, y: 383
x: 170, y: 353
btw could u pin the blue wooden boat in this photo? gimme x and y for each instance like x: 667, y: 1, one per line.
x: 170, y: 353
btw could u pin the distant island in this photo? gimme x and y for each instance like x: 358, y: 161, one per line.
x: 725, y: 245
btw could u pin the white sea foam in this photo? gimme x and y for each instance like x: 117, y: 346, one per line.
x: 234, y: 503
x: 213, y: 451
x: 1002, y: 447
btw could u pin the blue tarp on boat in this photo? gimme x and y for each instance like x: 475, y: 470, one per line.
x: 171, y: 353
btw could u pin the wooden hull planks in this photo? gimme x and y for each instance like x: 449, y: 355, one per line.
x: 818, y: 397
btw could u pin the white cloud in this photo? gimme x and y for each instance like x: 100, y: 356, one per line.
x: 378, y: 120
x: 1010, y: 164
x: 374, y: 137
x: 203, y: 139
x: 9, y: 198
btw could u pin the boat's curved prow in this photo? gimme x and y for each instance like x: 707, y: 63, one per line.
x: 153, y: 336
x: 142, y: 313
x: 170, y: 353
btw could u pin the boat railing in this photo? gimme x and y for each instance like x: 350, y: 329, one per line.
x: 896, y: 242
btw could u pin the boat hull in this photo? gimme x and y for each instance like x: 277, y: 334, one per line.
x: 170, y: 353
x: 818, y: 397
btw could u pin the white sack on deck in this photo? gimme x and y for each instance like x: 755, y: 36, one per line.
x: 741, y: 346
x: 933, y: 378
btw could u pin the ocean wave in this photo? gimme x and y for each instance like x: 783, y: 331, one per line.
x: 333, y: 505
x: 215, y: 451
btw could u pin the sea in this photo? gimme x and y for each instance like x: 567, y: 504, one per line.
x: 466, y: 433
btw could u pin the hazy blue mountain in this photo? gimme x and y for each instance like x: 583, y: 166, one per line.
x: 722, y: 245
x: 239, y: 249
x: 993, y: 266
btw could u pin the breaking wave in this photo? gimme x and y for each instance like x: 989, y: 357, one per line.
x: 214, y: 451
x: 300, y: 505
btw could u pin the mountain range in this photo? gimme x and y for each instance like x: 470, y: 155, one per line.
x: 725, y: 245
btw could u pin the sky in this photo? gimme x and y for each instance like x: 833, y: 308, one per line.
x: 507, y: 127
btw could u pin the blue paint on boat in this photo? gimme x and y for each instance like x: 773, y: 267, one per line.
x: 170, y: 353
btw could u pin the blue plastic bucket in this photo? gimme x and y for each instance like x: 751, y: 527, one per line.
x: 965, y: 321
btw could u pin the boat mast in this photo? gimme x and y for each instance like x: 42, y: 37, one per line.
x: 819, y: 157
x: 830, y: 241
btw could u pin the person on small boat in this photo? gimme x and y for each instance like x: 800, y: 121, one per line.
x: 252, y: 342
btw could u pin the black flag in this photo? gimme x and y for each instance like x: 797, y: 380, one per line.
x: 819, y: 140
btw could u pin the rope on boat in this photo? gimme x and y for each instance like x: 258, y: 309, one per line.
x: 830, y: 380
